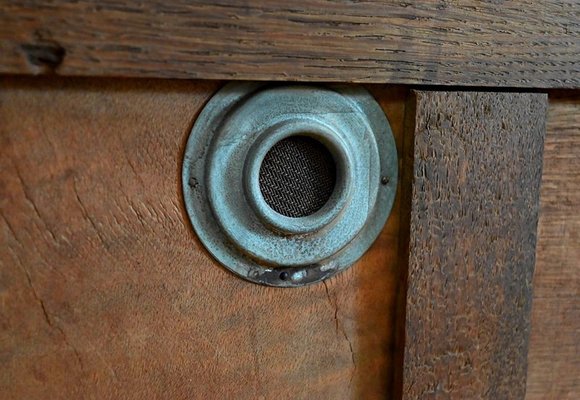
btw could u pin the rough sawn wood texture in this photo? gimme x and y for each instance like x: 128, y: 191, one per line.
x: 554, y: 358
x: 497, y: 43
x: 474, y: 212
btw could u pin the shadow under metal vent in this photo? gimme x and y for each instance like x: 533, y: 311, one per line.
x: 288, y: 185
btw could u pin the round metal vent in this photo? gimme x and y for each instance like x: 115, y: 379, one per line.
x: 287, y: 185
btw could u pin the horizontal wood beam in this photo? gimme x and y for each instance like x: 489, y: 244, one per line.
x: 495, y: 43
x: 472, y: 240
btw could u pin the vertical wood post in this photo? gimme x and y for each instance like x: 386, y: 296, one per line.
x: 476, y: 169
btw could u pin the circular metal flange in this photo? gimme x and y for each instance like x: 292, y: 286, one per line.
x: 221, y: 188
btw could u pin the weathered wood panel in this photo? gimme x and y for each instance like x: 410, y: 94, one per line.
x: 474, y: 211
x: 513, y: 43
x: 87, y: 291
x: 554, y: 358
x: 105, y: 291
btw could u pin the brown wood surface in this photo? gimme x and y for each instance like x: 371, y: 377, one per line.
x: 105, y: 291
x: 108, y: 294
x: 554, y: 358
x: 514, y: 43
x: 472, y: 238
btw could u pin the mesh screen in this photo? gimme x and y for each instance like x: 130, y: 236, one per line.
x: 297, y: 176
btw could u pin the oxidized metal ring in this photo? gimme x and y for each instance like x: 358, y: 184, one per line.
x: 222, y: 194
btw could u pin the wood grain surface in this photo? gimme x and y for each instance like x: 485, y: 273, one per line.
x: 474, y: 212
x: 554, y: 358
x: 515, y: 43
x: 105, y: 291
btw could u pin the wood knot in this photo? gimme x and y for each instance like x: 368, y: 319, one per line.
x: 47, y: 56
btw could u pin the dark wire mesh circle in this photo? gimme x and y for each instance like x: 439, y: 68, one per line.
x: 297, y: 176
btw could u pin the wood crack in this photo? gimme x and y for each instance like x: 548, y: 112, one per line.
x: 45, y: 313
x: 32, y: 203
x: 340, y: 329
x: 88, y: 217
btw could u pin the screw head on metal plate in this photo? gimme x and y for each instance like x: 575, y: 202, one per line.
x: 287, y: 185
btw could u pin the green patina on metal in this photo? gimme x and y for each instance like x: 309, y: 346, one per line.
x: 221, y: 187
